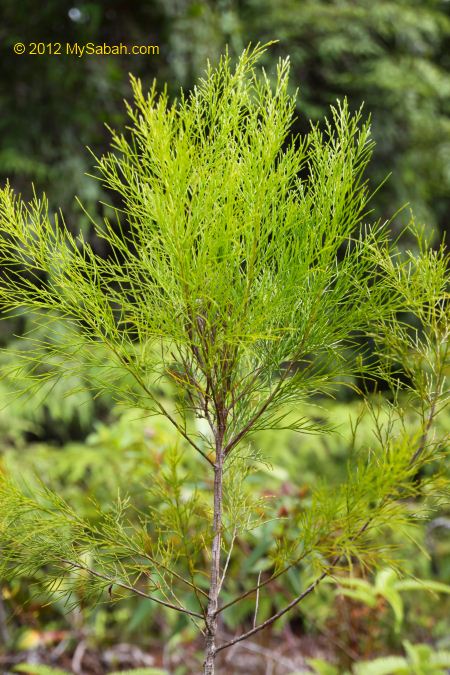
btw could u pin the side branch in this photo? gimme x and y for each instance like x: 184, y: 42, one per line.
x: 132, y: 589
x: 296, y: 600
x: 276, y: 616
x: 174, y: 574
x: 261, y: 584
x: 161, y: 408
x: 327, y: 572
x: 240, y: 435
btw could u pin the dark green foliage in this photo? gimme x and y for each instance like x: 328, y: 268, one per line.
x: 392, y: 54
x: 394, y: 57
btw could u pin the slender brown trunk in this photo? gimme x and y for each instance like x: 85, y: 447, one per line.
x: 214, y: 587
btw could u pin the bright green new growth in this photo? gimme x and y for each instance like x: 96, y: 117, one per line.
x: 240, y: 270
x: 226, y: 245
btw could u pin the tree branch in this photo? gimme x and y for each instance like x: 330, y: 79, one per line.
x: 227, y: 562
x: 159, y: 405
x: 325, y: 573
x: 256, y: 588
x: 172, y: 572
x: 276, y: 616
x: 132, y: 589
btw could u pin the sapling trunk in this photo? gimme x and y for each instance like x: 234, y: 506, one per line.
x: 214, y: 587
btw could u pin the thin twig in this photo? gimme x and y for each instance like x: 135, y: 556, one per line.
x: 168, y: 569
x: 257, y: 601
x: 263, y: 583
x: 433, y: 412
x: 162, y: 409
x: 132, y: 589
x: 269, y: 654
x: 234, y: 441
x: 227, y: 561
x: 77, y: 659
x: 251, y: 423
x: 276, y: 616
x: 157, y: 563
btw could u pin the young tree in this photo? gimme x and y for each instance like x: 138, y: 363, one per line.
x: 246, y: 277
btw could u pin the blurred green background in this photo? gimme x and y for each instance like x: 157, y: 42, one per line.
x: 391, y: 55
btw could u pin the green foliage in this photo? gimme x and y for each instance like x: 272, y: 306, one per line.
x: 31, y: 669
x: 246, y: 267
x: 141, y: 671
x: 254, y: 244
x: 393, y: 56
x: 322, y: 667
x: 420, y: 659
x: 34, y: 669
x: 389, y: 586
x: 117, y: 457
x: 67, y: 401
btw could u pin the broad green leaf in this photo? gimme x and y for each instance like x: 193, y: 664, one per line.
x: 396, y: 602
x: 422, y: 585
x: 140, y: 671
x: 34, y: 669
x: 389, y: 665
x: 385, y: 579
x: 321, y: 667
x: 360, y: 595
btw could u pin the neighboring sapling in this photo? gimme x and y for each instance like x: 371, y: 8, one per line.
x: 240, y: 270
